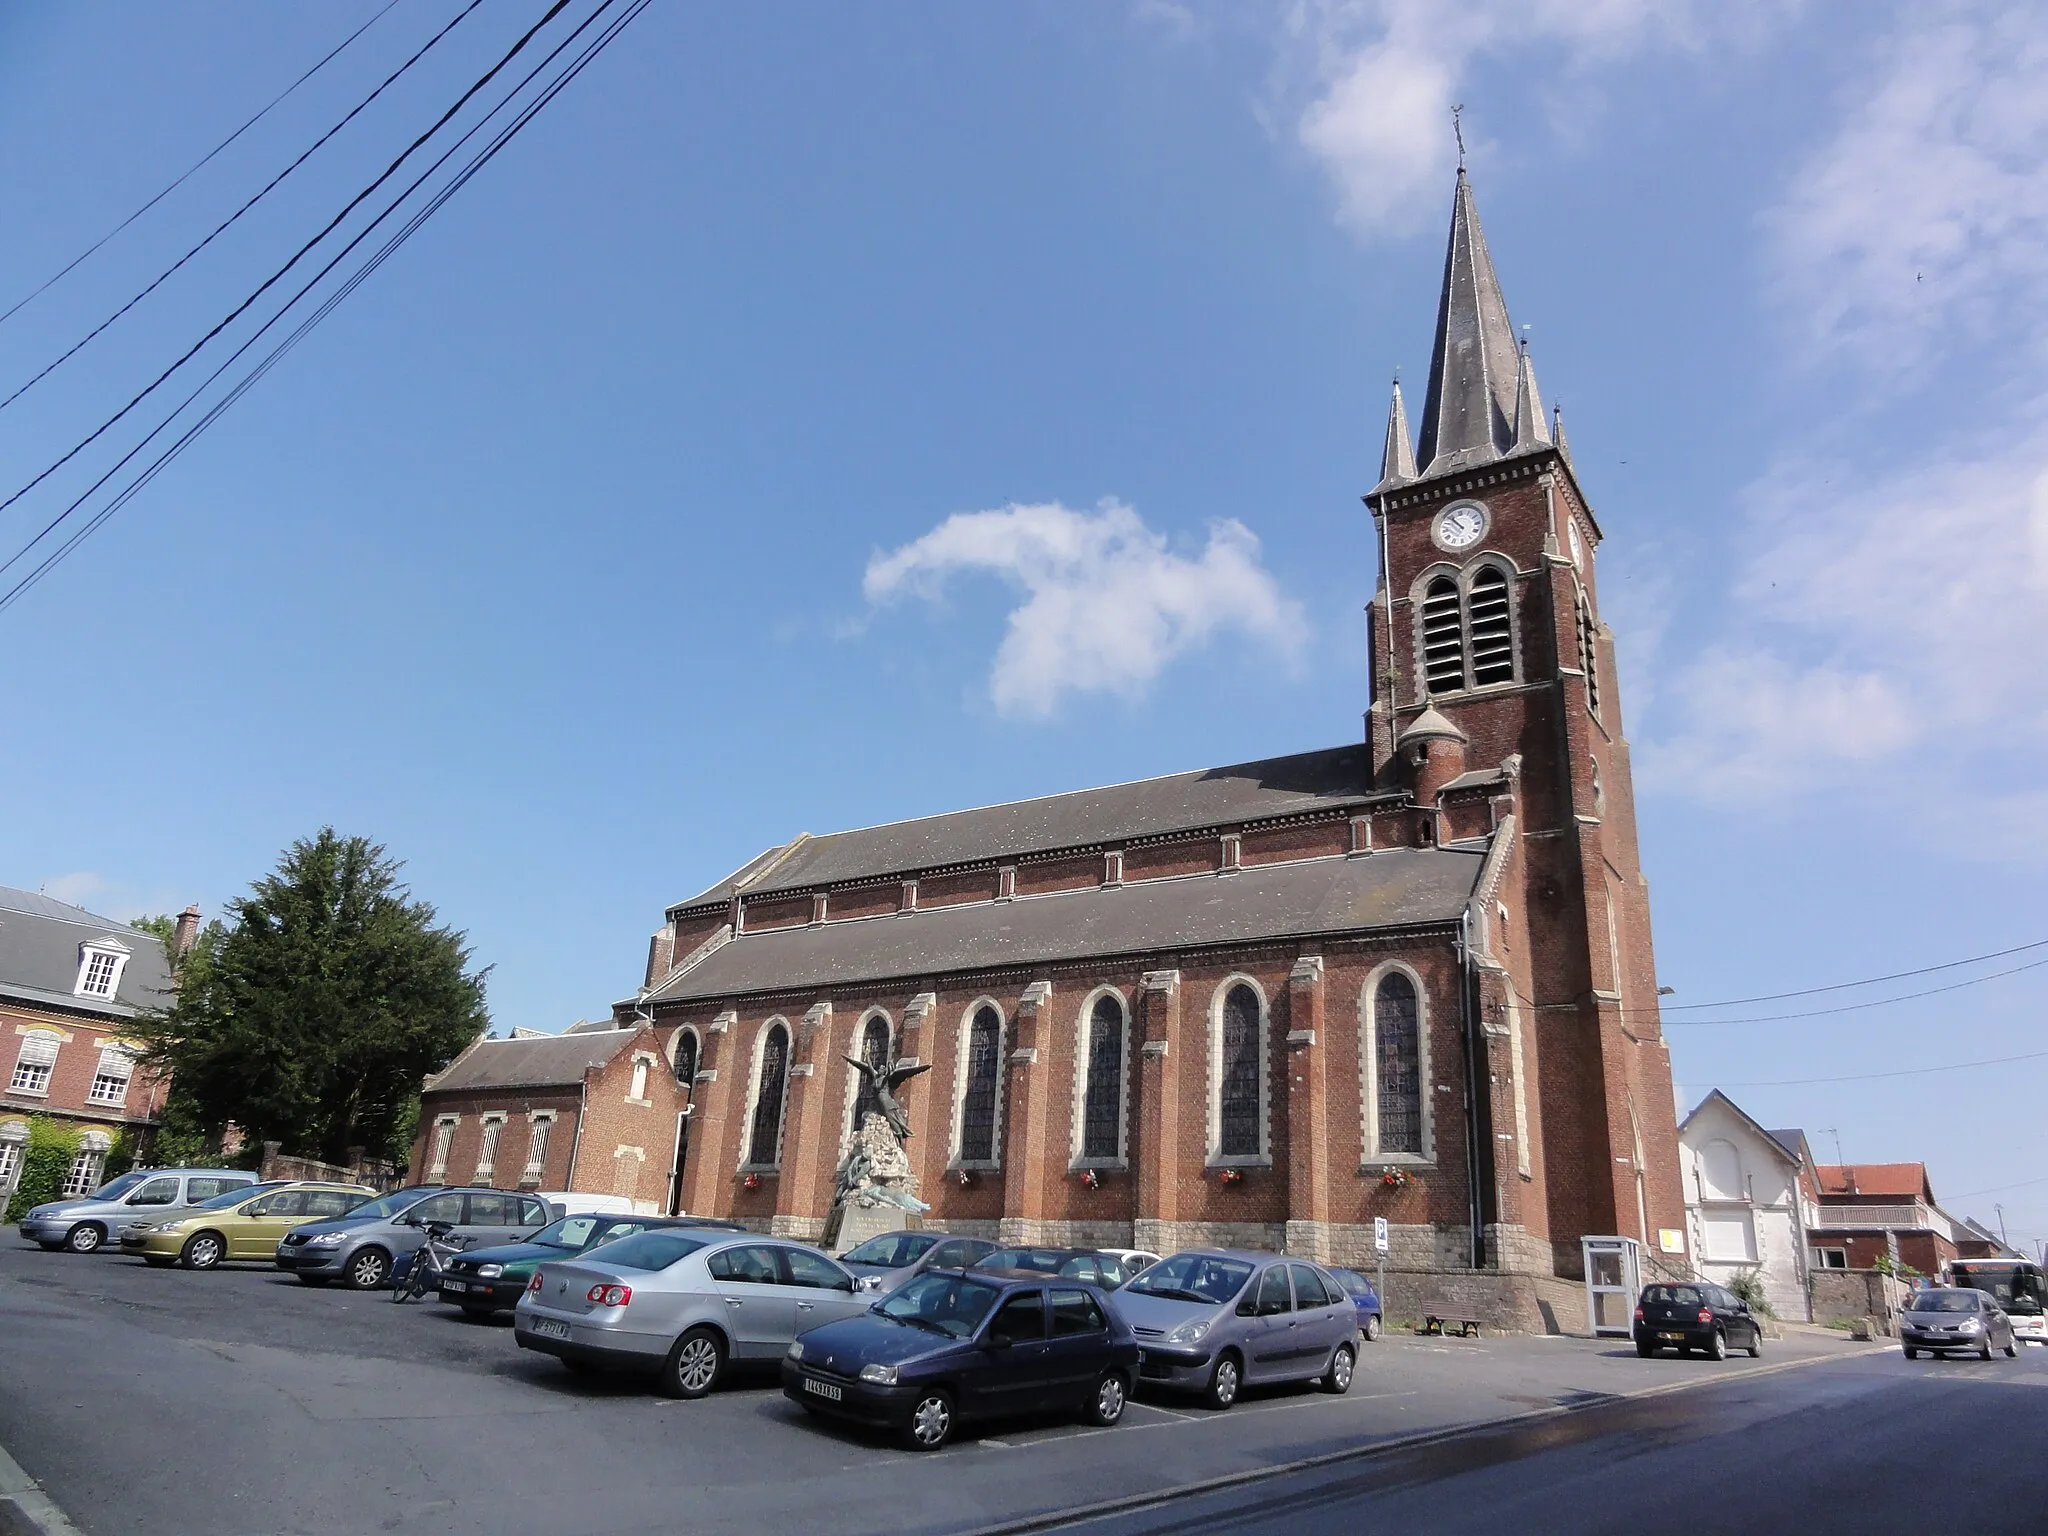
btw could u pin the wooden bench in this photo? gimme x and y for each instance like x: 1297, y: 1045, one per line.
x: 1438, y: 1324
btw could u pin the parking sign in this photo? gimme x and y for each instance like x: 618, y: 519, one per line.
x: 1379, y: 1233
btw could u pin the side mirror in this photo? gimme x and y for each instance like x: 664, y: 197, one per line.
x: 1247, y: 1308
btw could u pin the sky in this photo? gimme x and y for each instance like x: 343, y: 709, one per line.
x: 821, y: 416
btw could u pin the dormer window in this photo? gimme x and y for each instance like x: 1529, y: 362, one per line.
x: 100, y: 964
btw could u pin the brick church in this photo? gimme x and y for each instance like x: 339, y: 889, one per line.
x: 1261, y: 1004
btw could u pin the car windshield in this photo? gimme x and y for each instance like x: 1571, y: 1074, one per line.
x: 892, y: 1250
x: 1353, y: 1281
x: 1942, y: 1301
x: 1204, y: 1277
x: 114, y: 1189
x: 1038, y: 1261
x: 2015, y: 1287
x: 651, y: 1250
x: 235, y: 1196
x: 571, y: 1232
x: 941, y: 1303
x: 386, y: 1206
x: 1672, y: 1295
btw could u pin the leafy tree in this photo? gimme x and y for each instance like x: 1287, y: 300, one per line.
x: 311, y: 1013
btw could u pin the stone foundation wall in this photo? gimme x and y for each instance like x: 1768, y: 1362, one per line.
x: 1842, y: 1294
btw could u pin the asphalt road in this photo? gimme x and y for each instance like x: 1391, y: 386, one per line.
x: 238, y: 1401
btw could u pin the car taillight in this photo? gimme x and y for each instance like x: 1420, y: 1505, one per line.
x: 609, y: 1295
x: 533, y: 1285
x: 1639, y: 1314
x: 1706, y: 1315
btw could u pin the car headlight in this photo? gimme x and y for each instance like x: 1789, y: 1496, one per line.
x: 880, y: 1375
x: 325, y: 1239
x: 796, y: 1349
x: 1189, y: 1333
x: 1968, y: 1325
x: 489, y: 1271
x: 167, y: 1226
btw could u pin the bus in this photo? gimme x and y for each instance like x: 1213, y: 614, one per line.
x: 2017, y: 1284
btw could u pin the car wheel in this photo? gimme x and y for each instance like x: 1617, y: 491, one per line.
x: 2011, y: 1349
x: 931, y: 1422
x: 1224, y: 1381
x: 1106, y: 1407
x: 202, y: 1250
x: 1912, y: 1353
x: 369, y: 1270
x: 1756, y: 1342
x: 1337, y: 1379
x: 693, y: 1366
x: 84, y: 1238
x: 1372, y: 1328
x: 1717, y: 1346
x: 1645, y: 1349
x: 1984, y: 1349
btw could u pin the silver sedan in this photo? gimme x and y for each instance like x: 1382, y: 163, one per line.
x: 682, y: 1303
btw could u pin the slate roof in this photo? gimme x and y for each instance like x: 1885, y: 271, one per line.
x: 1119, y: 813
x: 1400, y: 887
x: 550, y: 1061
x: 40, y: 939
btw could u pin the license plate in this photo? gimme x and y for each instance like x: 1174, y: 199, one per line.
x: 454, y: 1285
x: 548, y: 1328
x: 1675, y: 1338
x: 823, y: 1389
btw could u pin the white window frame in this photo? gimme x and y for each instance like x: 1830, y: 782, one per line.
x: 443, y: 1142
x: 860, y: 1029
x: 491, y: 1132
x: 91, y: 955
x: 10, y: 1166
x: 1084, y: 1031
x: 116, y: 1066
x: 963, y: 1053
x: 540, y: 1127
x: 1263, y: 1158
x: 37, y: 1053
x: 88, y: 1165
x: 754, y: 1094
x: 1369, y: 1071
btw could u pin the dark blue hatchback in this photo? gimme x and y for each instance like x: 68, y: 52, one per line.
x: 1363, y: 1297
x: 952, y: 1346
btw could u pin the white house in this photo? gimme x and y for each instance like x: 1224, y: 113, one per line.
x: 1742, y: 1201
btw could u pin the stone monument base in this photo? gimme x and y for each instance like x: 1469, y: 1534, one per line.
x: 851, y: 1225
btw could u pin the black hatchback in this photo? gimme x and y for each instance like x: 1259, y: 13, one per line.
x: 951, y: 1345
x: 1705, y: 1317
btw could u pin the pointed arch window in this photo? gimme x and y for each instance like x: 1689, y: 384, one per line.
x: 764, y: 1131
x: 1589, y: 651
x: 1102, y: 1091
x: 1239, y: 1094
x: 1397, y: 1064
x: 981, y: 1081
x: 1443, y: 638
x: 686, y: 1058
x: 874, y: 1050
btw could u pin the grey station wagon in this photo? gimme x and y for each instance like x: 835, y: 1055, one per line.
x: 1214, y: 1320
x: 374, y: 1242
x: 87, y: 1224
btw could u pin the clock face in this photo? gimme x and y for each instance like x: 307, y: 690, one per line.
x: 1571, y: 529
x: 1460, y: 526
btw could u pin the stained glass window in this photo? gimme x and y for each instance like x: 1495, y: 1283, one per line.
x: 1102, y: 1101
x: 1238, y: 1111
x: 765, y: 1136
x: 978, y: 1098
x: 1398, y: 1062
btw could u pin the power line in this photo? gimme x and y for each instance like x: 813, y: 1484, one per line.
x: 327, y: 305
x: 1868, y: 981
x: 269, y: 282
x: 1865, y: 1077
x: 195, y: 167
x: 222, y: 227
x: 1876, y: 1002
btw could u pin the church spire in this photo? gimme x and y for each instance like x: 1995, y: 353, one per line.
x: 1468, y: 416
x: 1530, y: 428
x: 1397, y: 461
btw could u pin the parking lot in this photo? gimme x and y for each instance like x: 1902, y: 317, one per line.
x: 239, y: 1401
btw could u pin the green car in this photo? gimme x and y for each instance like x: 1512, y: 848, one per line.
x: 487, y: 1280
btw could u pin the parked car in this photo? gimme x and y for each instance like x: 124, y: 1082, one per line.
x: 142, y: 1221
x: 949, y: 1346
x: 1364, y: 1298
x: 567, y: 1202
x: 369, y: 1246
x: 1705, y: 1317
x: 1093, y: 1265
x: 681, y: 1303
x: 883, y: 1263
x: 1135, y: 1260
x: 1214, y: 1320
x: 1940, y: 1321
x: 85, y: 1224
x: 487, y: 1280
x: 240, y: 1225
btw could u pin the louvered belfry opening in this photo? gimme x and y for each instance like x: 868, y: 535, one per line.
x: 1493, y: 642
x: 1443, y: 637
x: 1589, y: 656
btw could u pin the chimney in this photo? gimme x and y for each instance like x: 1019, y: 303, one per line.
x: 185, y: 934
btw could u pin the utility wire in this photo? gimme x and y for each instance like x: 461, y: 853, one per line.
x: 1876, y: 1002
x: 268, y: 283
x: 196, y: 167
x: 1869, y: 981
x: 1867, y: 1077
x: 213, y: 413
x: 222, y: 227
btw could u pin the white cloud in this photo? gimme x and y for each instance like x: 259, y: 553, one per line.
x: 1384, y: 75
x: 1924, y: 219
x: 1107, y: 604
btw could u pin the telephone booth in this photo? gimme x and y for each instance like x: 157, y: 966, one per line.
x: 1613, y: 1280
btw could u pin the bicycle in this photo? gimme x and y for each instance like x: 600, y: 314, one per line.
x: 429, y: 1264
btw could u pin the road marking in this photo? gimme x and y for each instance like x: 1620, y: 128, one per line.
x: 1136, y: 1503
x: 25, y: 1495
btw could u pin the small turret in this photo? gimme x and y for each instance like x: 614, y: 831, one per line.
x: 1433, y: 751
